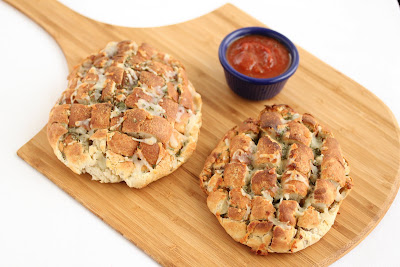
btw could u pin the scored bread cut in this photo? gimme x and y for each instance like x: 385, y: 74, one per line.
x: 129, y: 114
x: 275, y: 183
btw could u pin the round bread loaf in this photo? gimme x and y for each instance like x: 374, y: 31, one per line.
x: 129, y: 114
x: 275, y: 183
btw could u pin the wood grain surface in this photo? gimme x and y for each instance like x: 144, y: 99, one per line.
x: 169, y: 219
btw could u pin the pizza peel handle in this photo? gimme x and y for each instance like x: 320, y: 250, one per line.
x: 78, y: 36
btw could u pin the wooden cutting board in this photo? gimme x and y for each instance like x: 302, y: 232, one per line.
x: 169, y: 219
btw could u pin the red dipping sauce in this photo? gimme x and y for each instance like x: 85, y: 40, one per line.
x: 258, y: 56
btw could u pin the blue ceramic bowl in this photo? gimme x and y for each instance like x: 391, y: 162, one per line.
x: 255, y: 88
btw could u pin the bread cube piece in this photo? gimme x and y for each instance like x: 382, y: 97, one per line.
x: 268, y: 153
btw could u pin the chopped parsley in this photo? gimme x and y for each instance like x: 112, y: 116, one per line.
x: 121, y: 106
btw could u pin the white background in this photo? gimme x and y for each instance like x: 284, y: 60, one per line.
x: 40, y: 225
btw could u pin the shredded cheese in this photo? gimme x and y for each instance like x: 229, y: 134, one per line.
x: 283, y: 225
x: 153, y: 109
x: 111, y: 49
x: 150, y: 141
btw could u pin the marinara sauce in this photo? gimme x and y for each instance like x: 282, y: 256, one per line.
x: 258, y: 56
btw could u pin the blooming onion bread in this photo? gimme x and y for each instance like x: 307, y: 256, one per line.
x: 275, y: 183
x: 129, y: 114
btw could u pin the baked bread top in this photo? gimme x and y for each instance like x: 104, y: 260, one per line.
x: 129, y: 114
x: 275, y: 183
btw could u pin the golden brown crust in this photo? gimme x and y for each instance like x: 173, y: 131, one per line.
x: 99, y: 134
x: 214, y: 182
x: 115, y: 74
x: 283, y: 175
x: 146, y: 50
x: 119, y: 116
x: 135, y: 60
x: 158, y: 127
x: 249, y: 126
x: 54, y: 132
x: 237, y: 199
x: 237, y: 214
x: 183, y: 121
x: 133, y: 120
x: 59, y: 114
x: 83, y: 93
x: 75, y: 156
x: 270, y: 119
x: 259, y: 227
x: 261, y: 209
x: 100, y: 116
x: 325, y: 192
x: 171, y: 109
x: 108, y: 91
x: 240, y: 142
x: 185, y: 98
x: 137, y: 94
x: 172, y: 92
x: 331, y: 149
x: 79, y: 113
x: 300, y: 158
x: 268, y: 153
x: 287, y: 210
x: 264, y: 180
x: 309, y: 219
x: 298, y: 133
x: 151, y: 79
x: 218, y: 158
x: 160, y: 68
x: 236, y: 229
x: 151, y: 152
x: 235, y: 175
x: 310, y: 122
x: 331, y: 169
x: 91, y: 76
x: 294, y: 182
x: 67, y: 94
x: 282, y: 239
x: 259, y: 233
x: 122, y: 144
x: 217, y: 201
x: 100, y: 60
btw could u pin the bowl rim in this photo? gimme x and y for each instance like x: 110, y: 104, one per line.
x: 259, y: 31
